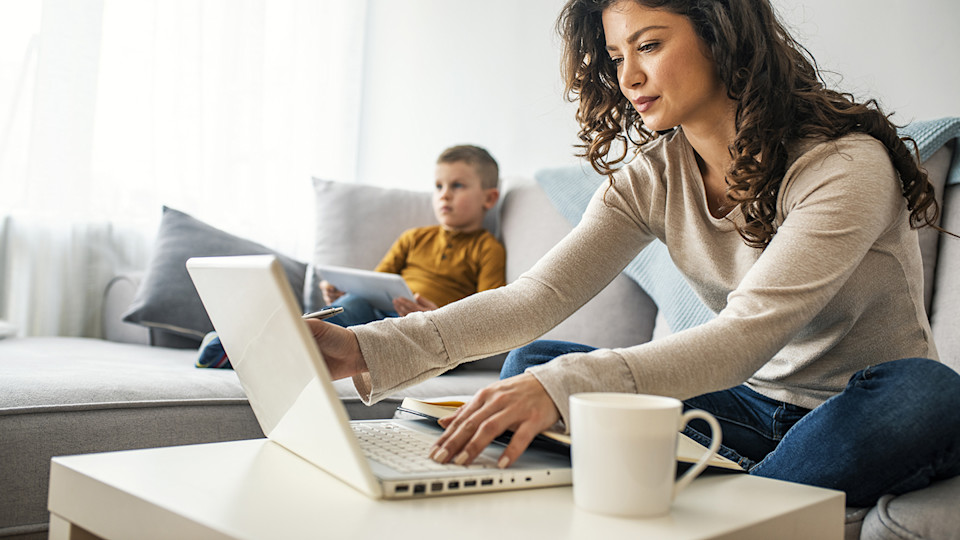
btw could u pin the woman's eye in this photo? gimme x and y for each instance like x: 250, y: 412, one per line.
x: 616, y: 61
x: 647, y: 47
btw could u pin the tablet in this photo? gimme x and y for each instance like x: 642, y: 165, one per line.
x: 378, y: 288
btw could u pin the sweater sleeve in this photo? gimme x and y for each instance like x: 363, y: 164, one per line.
x: 404, y: 351
x: 838, y: 202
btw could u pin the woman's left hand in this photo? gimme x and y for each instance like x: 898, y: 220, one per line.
x: 519, y: 403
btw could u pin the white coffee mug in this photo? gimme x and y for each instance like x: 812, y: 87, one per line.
x: 625, y: 449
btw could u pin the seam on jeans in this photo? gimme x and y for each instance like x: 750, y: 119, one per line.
x: 745, y: 463
x: 746, y: 426
x: 779, y: 422
x: 857, y: 379
x: 758, y: 466
x: 777, y: 434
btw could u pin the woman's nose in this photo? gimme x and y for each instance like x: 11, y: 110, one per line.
x: 631, y: 74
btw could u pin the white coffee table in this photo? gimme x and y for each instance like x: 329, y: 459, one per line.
x: 256, y: 489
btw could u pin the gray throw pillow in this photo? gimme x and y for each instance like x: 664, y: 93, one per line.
x: 167, y: 299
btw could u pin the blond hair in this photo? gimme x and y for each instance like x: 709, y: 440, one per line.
x: 478, y: 158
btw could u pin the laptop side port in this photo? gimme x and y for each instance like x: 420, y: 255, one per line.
x: 453, y: 484
x: 419, y: 489
x: 469, y: 483
x: 486, y: 482
x: 436, y: 486
x: 401, y: 488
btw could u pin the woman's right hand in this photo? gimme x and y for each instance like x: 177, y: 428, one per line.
x: 519, y: 403
x: 330, y: 293
x: 339, y: 347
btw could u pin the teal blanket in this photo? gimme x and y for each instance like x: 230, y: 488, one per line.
x: 933, y: 134
x: 570, y: 189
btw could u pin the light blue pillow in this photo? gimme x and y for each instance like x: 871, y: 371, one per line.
x: 570, y: 190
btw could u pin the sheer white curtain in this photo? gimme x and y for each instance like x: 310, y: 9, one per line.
x: 220, y: 108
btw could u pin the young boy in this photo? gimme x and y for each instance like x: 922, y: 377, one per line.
x: 441, y: 263
x: 445, y: 262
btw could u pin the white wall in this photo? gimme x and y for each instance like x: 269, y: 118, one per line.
x: 441, y: 72
x: 899, y: 51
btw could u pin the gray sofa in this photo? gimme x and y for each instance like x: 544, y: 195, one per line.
x: 61, y: 396
x: 74, y: 395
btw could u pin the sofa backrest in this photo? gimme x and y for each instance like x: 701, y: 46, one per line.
x: 941, y: 259
x: 622, y: 314
x: 945, y: 304
x: 937, y: 166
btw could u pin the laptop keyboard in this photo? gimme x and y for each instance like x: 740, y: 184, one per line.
x: 405, y: 449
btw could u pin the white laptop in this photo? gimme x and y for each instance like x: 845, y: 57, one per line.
x: 256, y: 315
x: 378, y: 288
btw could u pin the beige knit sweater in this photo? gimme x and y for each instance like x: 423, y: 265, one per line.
x: 839, y: 287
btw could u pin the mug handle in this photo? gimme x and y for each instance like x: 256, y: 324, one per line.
x: 701, y: 464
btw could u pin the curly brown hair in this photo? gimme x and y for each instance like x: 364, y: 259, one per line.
x: 779, y: 93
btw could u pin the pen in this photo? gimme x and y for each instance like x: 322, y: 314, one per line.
x: 325, y: 313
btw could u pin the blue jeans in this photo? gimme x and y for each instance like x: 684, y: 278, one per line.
x: 356, y: 311
x: 894, y: 428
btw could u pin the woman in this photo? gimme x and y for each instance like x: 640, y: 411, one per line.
x: 788, y: 207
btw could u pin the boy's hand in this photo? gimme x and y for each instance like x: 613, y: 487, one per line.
x: 405, y: 306
x: 330, y: 293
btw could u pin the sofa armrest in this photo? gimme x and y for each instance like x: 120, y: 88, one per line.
x: 117, y: 297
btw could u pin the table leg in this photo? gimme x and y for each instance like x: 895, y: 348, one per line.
x: 61, y: 529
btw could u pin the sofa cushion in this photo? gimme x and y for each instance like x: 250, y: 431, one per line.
x: 926, y: 513
x: 63, y: 396
x: 571, y: 189
x: 945, y: 308
x: 356, y: 224
x: 73, y: 395
x: 853, y: 522
x: 937, y: 166
x: 166, y: 298
x: 117, y: 297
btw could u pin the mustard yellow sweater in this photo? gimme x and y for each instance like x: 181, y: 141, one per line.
x: 445, y: 266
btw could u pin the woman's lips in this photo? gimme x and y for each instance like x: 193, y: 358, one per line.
x: 642, y: 104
